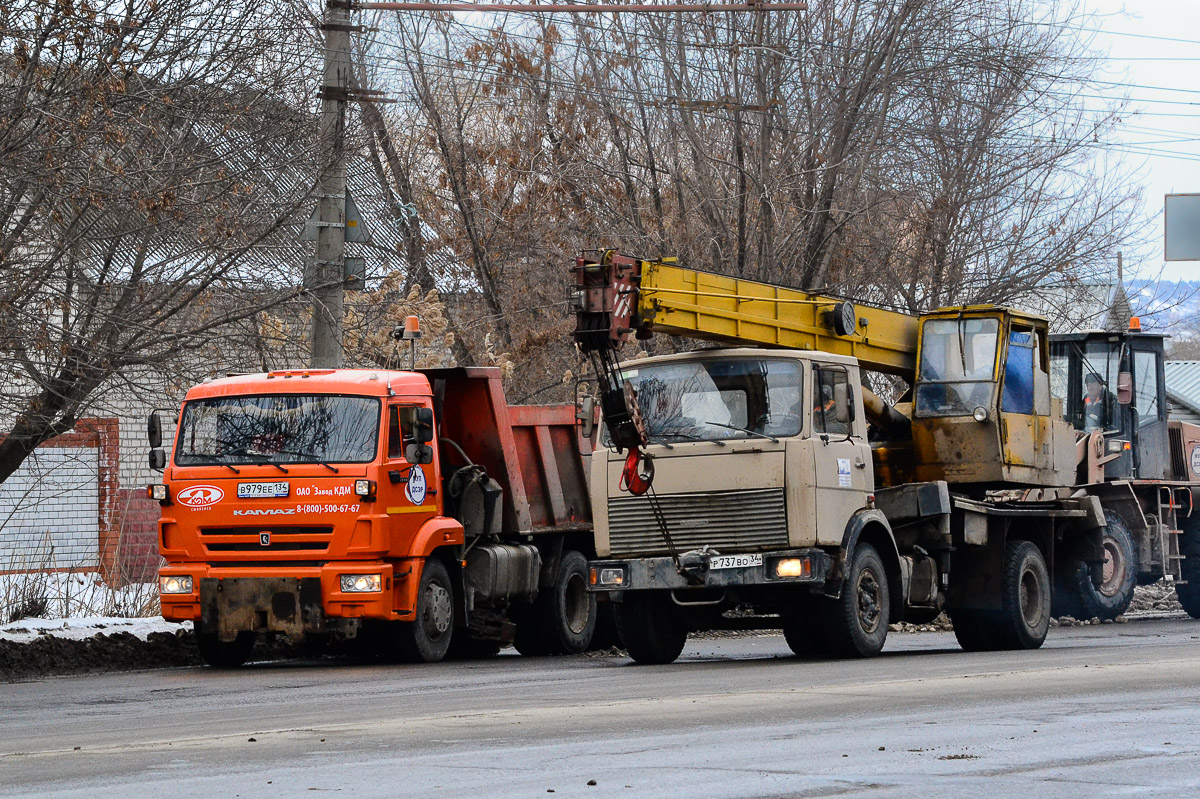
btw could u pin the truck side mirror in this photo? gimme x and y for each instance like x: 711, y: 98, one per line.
x: 424, y: 428
x: 585, y: 414
x: 154, y: 429
x: 418, y: 453
x: 158, y: 458
x: 1124, y: 388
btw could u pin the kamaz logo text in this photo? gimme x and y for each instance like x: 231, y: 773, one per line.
x: 265, y: 512
x: 200, y: 496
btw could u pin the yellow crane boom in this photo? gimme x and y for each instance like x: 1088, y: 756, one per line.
x: 658, y: 296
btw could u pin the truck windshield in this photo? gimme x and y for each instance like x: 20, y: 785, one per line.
x: 283, y: 428
x: 958, y: 361
x: 707, y: 400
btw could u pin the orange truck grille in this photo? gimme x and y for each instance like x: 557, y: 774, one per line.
x: 221, y: 540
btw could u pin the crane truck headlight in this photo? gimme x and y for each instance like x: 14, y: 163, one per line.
x: 793, y: 567
x: 365, y: 488
x: 606, y: 576
x: 980, y: 414
x: 360, y: 583
x: 1116, y: 445
x: 175, y: 584
x: 157, y: 492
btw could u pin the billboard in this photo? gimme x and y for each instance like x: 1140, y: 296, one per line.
x: 1181, y: 239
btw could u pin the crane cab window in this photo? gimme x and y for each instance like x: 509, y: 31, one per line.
x: 1145, y: 382
x: 401, y: 424
x: 1018, y: 372
x: 718, y: 398
x: 958, y: 361
x: 831, y: 398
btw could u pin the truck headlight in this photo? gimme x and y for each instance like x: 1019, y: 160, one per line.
x: 606, y: 576
x: 157, y: 492
x: 360, y: 583
x: 175, y: 584
x: 1115, y: 445
x: 793, y: 567
x: 364, y: 488
x: 981, y: 414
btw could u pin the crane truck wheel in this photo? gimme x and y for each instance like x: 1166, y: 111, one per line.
x: 225, y: 654
x: 1024, y: 615
x: 1112, y: 596
x: 856, y: 623
x: 804, y: 632
x: 427, y: 638
x: 1188, y: 592
x: 652, y: 626
x: 975, y: 629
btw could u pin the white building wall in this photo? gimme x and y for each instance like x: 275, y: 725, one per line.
x: 49, y: 511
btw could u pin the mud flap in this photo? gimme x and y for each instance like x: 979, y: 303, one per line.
x: 287, y: 605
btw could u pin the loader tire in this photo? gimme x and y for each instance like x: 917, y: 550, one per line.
x: 225, y: 654
x: 856, y: 623
x: 1189, y: 592
x: 1119, y: 576
x: 652, y: 626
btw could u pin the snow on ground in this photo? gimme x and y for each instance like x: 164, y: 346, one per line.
x: 78, y: 629
x: 76, y: 605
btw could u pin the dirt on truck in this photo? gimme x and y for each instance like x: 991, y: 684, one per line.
x: 416, y: 513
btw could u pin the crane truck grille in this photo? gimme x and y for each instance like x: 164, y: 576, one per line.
x: 724, y: 520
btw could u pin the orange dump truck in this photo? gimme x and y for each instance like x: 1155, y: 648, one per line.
x: 416, y: 512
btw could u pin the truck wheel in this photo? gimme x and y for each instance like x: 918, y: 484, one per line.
x: 563, y: 617
x: 1112, y: 597
x: 856, y: 623
x: 1024, y: 615
x: 572, y: 610
x: 804, y: 633
x: 225, y: 654
x: 1189, y: 592
x: 605, y: 636
x: 652, y: 626
x: 427, y: 638
x: 975, y: 629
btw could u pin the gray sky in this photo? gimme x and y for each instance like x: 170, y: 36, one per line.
x: 1153, y: 54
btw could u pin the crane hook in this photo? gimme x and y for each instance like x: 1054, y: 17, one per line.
x: 637, y: 480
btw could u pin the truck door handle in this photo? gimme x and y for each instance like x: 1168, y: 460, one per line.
x: 859, y: 463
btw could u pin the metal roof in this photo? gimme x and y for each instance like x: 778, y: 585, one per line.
x: 1183, y: 383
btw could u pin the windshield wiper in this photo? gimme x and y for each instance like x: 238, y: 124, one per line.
x: 745, y: 430
x: 311, y: 456
x: 689, y: 436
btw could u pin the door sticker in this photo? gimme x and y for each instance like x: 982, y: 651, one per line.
x: 1196, y: 460
x: 414, y: 489
x: 843, y: 473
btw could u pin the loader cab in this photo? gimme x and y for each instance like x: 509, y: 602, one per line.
x: 1114, y: 383
x: 982, y: 410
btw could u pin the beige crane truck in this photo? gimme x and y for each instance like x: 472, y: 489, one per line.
x: 761, y: 486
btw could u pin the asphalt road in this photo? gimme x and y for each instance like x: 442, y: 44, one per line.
x: 1100, y: 711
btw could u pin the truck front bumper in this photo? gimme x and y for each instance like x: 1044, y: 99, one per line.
x: 808, y: 566
x: 304, y: 601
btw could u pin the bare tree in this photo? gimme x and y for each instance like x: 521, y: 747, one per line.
x: 154, y: 155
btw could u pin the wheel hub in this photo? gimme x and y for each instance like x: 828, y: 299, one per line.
x: 1113, y: 570
x: 868, y: 602
x: 1031, y: 598
x: 439, y: 610
x: 575, y: 597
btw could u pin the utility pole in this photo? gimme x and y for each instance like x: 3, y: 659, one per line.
x: 325, y: 280
x: 326, y: 275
